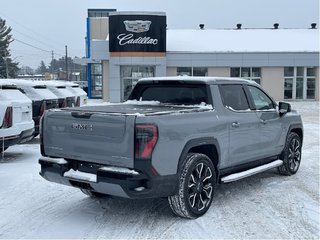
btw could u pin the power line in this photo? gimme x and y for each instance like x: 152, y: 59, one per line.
x: 38, y: 34
x: 29, y: 29
x: 26, y: 35
x: 38, y: 48
x: 30, y: 45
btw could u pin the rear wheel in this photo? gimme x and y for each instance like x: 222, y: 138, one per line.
x: 196, y: 187
x: 291, y: 155
x: 93, y: 194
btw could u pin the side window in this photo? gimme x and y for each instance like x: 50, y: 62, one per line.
x: 261, y: 100
x: 234, y: 97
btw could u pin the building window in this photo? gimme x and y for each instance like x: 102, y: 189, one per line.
x: 96, y: 80
x: 250, y: 73
x: 130, y: 76
x: 311, y: 83
x: 192, y: 71
x: 299, y: 82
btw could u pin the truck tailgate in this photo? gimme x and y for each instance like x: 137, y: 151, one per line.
x: 90, y: 136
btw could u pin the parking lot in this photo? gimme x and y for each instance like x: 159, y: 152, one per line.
x: 266, y: 205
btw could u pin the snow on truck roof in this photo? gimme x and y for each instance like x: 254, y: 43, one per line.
x: 242, y: 40
x: 207, y: 80
x: 27, y: 82
x: 5, y: 82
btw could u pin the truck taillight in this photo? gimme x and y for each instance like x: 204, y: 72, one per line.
x: 78, y: 102
x: 7, y: 120
x: 146, y: 136
x: 42, y: 108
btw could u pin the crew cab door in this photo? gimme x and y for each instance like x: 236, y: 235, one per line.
x: 270, y: 125
x: 242, y: 124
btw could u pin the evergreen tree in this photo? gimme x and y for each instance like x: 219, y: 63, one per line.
x: 8, y: 68
x: 59, y: 65
x: 42, y: 69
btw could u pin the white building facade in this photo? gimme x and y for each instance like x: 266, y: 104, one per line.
x: 123, y: 47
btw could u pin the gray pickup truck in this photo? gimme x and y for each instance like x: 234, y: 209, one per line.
x: 175, y: 137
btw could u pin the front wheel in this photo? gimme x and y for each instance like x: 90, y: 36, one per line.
x: 291, y: 155
x: 197, y: 183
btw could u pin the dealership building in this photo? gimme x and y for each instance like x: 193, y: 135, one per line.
x: 122, y: 47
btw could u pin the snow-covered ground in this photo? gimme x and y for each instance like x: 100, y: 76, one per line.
x: 262, y: 206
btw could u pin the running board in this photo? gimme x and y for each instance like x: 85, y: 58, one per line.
x: 252, y: 171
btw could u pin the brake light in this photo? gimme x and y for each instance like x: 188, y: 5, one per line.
x: 7, y: 120
x: 41, y: 136
x: 146, y: 136
x: 64, y: 104
x: 78, y: 102
x: 42, y: 108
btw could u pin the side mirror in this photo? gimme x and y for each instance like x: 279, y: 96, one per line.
x: 284, y: 108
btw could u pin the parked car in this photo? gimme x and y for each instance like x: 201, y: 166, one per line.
x: 42, y: 98
x: 81, y: 95
x: 16, y: 124
x: 176, y: 137
x: 65, y: 97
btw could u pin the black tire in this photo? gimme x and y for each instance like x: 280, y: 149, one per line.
x: 291, y: 155
x: 197, y: 184
x: 93, y: 194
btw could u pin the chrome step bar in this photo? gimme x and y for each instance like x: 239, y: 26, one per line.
x: 252, y: 171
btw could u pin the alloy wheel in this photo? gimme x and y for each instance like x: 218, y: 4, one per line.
x: 200, y: 187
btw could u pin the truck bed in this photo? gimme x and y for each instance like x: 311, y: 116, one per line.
x: 99, y: 134
x: 139, y: 109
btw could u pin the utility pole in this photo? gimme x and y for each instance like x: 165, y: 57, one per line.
x: 52, y: 56
x: 67, y: 78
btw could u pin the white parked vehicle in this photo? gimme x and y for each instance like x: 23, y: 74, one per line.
x: 42, y: 98
x: 81, y: 95
x: 16, y: 124
x: 65, y: 96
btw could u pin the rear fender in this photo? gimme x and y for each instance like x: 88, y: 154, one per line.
x: 198, y: 143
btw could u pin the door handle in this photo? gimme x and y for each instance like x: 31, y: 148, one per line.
x: 235, y: 124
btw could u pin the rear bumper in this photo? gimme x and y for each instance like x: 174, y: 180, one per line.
x: 26, y: 135
x: 114, y: 181
x: 9, y: 141
x: 23, y: 137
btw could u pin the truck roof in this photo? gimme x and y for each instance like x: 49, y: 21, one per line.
x: 206, y: 80
x: 4, y: 83
x: 27, y: 83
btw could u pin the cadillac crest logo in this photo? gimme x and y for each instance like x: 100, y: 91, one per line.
x: 137, y: 26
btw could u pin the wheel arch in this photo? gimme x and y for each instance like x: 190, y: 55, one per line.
x: 208, y: 146
x: 298, y: 129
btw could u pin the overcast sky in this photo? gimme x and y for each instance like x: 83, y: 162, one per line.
x: 50, y: 25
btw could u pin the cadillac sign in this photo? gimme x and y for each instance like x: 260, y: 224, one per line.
x: 137, y: 33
